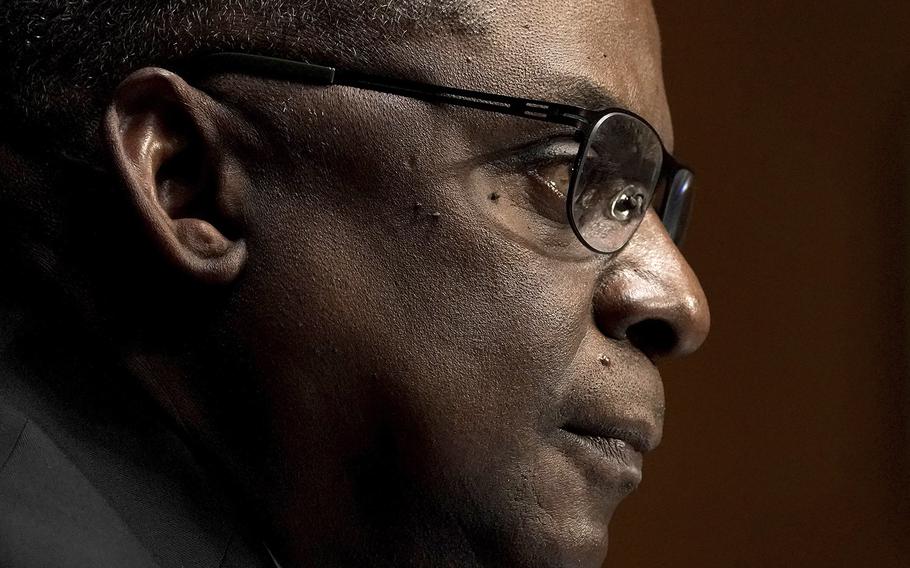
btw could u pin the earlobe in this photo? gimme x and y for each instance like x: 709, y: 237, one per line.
x: 164, y: 139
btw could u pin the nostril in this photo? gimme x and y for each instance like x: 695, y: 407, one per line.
x: 653, y: 337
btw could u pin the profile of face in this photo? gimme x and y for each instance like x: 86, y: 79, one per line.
x: 441, y: 372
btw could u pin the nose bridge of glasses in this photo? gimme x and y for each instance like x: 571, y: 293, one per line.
x: 677, y: 204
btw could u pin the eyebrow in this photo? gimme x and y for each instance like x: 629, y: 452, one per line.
x: 583, y: 92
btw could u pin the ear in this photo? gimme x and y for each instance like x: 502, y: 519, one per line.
x: 166, y: 140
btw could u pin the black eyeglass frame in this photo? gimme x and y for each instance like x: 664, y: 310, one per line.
x: 672, y: 173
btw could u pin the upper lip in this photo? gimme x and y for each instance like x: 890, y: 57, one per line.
x: 630, y: 412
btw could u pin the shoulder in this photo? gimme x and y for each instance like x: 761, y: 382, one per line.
x: 50, y: 515
x: 53, y: 513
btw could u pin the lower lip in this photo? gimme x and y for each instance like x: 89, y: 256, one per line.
x: 611, y: 461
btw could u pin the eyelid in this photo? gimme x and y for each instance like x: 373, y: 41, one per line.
x: 553, y: 150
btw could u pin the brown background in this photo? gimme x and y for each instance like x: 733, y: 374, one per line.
x: 787, y: 441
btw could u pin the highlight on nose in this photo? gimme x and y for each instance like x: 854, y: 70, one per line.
x: 654, y: 301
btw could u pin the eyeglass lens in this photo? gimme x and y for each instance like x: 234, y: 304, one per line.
x: 616, y: 180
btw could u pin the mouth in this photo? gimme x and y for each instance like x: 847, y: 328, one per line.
x: 613, y: 454
x: 632, y: 438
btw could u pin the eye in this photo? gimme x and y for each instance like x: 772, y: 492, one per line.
x: 548, y: 174
x: 525, y: 192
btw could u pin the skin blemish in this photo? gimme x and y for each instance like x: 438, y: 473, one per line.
x: 605, y: 361
x: 494, y: 196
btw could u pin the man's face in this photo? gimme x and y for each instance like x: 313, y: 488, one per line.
x: 449, y: 371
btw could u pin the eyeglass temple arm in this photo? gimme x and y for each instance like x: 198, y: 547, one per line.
x: 320, y: 75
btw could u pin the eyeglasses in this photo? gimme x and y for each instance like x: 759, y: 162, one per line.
x: 621, y: 170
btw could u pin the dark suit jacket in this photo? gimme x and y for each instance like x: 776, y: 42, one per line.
x: 79, y: 491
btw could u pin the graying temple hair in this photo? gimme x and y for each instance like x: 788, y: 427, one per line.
x: 59, y: 59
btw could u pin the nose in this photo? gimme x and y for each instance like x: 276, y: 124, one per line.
x: 649, y: 296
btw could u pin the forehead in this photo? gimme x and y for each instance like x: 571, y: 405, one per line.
x: 567, y: 51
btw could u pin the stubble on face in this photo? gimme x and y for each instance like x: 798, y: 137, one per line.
x: 419, y: 359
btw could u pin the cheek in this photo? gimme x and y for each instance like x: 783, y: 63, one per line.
x: 394, y: 258
x: 454, y: 319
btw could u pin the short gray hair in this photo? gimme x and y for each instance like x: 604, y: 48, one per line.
x: 59, y: 59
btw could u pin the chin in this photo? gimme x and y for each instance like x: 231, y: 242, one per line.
x: 578, y: 544
x: 554, y: 513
